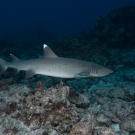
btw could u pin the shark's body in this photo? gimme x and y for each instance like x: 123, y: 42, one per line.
x: 52, y: 65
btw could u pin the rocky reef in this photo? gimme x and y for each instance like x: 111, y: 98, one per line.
x: 117, y: 28
x: 61, y: 110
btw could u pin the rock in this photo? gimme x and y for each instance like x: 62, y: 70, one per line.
x: 128, y: 125
x: 116, y: 92
x: 79, y: 99
x: 107, y: 131
x: 116, y: 127
x: 84, y: 127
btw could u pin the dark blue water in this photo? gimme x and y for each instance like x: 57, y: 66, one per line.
x: 34, y: 19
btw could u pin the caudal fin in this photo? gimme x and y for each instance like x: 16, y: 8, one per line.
x: 3, y: 66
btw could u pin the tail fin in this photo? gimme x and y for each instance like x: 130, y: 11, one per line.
x: 3, y: 67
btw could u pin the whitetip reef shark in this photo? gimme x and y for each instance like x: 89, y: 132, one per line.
x: 52, y: 65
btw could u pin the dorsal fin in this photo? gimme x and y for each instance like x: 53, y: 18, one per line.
x: 48, y: 52
x: 13, y: 57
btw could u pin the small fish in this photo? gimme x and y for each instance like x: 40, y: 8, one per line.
x: 52, y: 65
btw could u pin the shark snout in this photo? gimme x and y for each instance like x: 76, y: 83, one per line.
x: 107, y: 71
x: 104, y: 72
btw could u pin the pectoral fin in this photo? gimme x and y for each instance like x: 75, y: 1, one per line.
x: 29, y: 73
x: 82, y: 74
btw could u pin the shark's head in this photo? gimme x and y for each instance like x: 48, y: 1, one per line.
x: 99, y: 71
x: 104, y: 71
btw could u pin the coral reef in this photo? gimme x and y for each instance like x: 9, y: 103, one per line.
x: 62, y: 110
x: 85, y: 126
x: 43, y: 107
x: 117, y: 28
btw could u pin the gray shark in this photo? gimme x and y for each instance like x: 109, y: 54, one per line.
x: 52, y: 65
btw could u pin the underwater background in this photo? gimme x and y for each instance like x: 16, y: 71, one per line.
x: 102, y: 32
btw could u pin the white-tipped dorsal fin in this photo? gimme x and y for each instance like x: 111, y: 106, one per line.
x: 13, y: 57
x: 48, y: 52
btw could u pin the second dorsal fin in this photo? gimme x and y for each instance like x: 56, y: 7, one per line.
x: 14, y: 59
